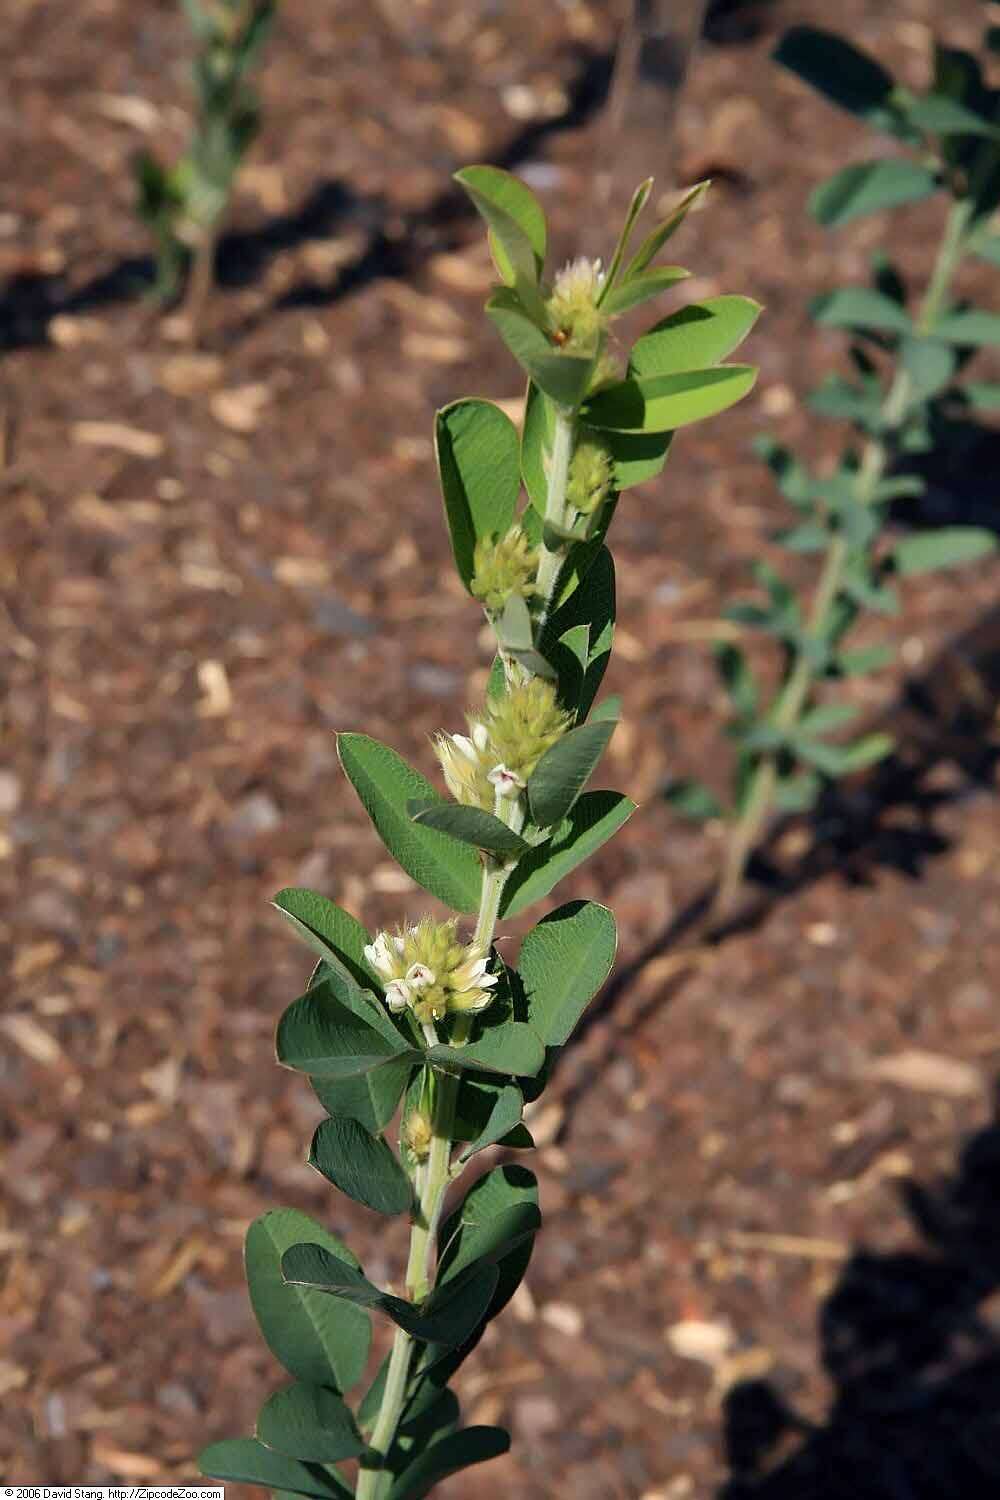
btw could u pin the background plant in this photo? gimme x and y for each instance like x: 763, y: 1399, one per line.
x: 427, y: 1020
x: 908, y: 383
x: 185, y: 204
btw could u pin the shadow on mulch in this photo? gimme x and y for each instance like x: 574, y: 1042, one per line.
x: 914, y: 1361
x: 948, y: 750
x: 30, y: 301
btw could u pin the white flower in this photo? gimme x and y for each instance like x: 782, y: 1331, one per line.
x: 397, y: 995
x: 420, y: 977
x: 507, y: 783
x: 472, y: 973
x: 380, y: 957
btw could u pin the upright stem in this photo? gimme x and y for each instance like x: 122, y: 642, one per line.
x: 875, y: 460
x: 551, y: 561
x: 200, y: 279
x: 374, y: 1480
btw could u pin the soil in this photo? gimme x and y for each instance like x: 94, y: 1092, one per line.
x: 769, y: 1266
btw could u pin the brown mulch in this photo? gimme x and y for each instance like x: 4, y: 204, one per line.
x: 210, y: 562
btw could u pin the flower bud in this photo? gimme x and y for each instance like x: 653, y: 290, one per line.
x: 575, y: 319
x: 430, y: 972
x: 417, y: 1135
x: 503, y: 566
x: 591, y: 476
x: 504, y: 746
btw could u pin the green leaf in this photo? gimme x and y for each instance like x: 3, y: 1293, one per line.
x: 860, y: 307
x: 317, y: 1341
x: 564, y: 962
x: 564, y: 770
x: 841, y: 760
x: 591, y: 604
x: 515, y: 219
x: 385, y: 784
x: 360, y: 1165
x: 641, y: 289
x: 846, y: 402
x: 639, y: 200
x: 329, y: 931
x: 797, y: 794
x: 371, y: 1098
x: 868, y: 188
x: 536, y: 443
x: 499, y: 1213
x: 460, y: 1450
x: 638, y: 456
x: 477, y: 449
x: 591, y: 822
x: 824, y: 718
x: 858, y: 663
x: 694, y: 800
x: 245, y: 1461
x: 564, y: 377
x: 737, y: 677
x: 309, y: 1422
x: 930, y: 365
x: 838, y: 71
x: 657, y: 237
x: 694, y: 337
x: 513, y: 1049
x: 987, y: 247
x: 449, y: 1316
x: 320, y: 1035
x: 470, y: 825
x: 936, y: 114
x: 662, y: 403
x: 983, y: 395
x: 971, y: 327
x: 945, y: 547
x: 475, y: 1107
x: 508, y: 1105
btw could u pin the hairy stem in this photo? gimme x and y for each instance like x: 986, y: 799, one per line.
x: 877, y: 456
x: 374, y: 1480
x: 550, y: 564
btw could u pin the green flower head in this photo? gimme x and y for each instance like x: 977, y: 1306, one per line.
x: 504, y: 744
x: 428, y: 970
x: 591, y: 476
x: 575, y: 320
x: 504, y: 566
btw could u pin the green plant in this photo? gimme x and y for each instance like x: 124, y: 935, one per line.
x: 430, y: 1018
x: 908, y: 382
x: 185, y: 204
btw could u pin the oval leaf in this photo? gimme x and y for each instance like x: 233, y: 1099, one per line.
x: 318, y: 1034
x: 944, y: 548
x: 471, y: 825
x: 564, y: 962
x: 694, y: 337
x: 564, y: 771
x: 478, y: 463
x: 662, y: 403
x: 564, y: 377
x: 860, y: 307
x: 360, y: 1165
x: 514, y: 1049
x: 868, y: 188
x: 460, y: 1450
x: 591, y: 822
x: 385, y: 784
x: 328, y: 930
x: 370, y: 1098
x: 317, y: 1341
x: 311, y: 1423
x: 245, y: 1461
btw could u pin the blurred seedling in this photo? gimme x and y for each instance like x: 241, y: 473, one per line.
x: 908, y: 384
x: 185, y: 204
x: 427, y: 1024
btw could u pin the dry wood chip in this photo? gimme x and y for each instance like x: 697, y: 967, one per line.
x: 217, y: 695
x: 128, y: 109
x: 190, y: 374
x: 184, y: 1260
x: 128, y: 1465
x: 239, y: 409
x: 435, y: 349
x: 117, y: 435
x: 692, y: 1338
x: 302, y: 572
x: 33, y: 1040
x: 809, y: 1247
x: 69, y: 332
x: 564, y: 1318
x: 930, y: 1073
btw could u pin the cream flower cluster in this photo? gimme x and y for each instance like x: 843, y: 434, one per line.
x: 504, y: 745
x: 427, y: 970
